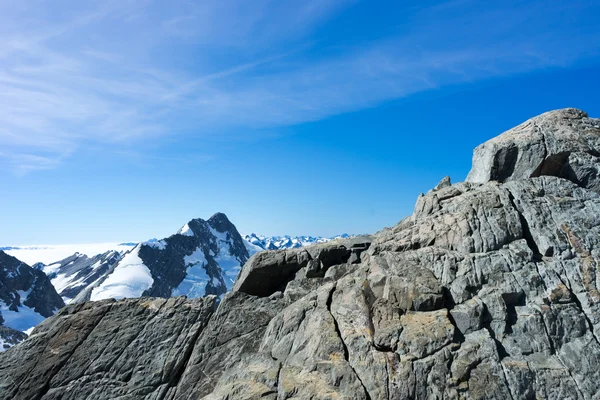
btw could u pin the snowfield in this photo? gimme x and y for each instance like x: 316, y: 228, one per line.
x: 22, y: 320
x: 129, y: 279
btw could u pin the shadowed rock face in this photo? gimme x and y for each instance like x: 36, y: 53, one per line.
x: 488, y: 291
x: 106, y: 349
x: 21, y: 285
x: 26, y: 297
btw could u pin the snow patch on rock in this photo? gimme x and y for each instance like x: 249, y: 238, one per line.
x: 186, y: 231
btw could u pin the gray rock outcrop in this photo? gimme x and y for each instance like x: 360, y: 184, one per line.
x: 269, y: 271
x: 561, y: 143
x: 490, y: 290
x: 106, y: 350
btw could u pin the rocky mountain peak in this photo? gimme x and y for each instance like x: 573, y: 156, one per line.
x: 563, y: 143
x: 220, y: 222
x: 202, y: 258
x: 217, y: 221
x: 489, y: 290
x: 26, y: 298
x: 26, y: 286
x: 75, y: 276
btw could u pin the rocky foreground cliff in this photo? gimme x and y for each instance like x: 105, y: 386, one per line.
x: 488, y: 291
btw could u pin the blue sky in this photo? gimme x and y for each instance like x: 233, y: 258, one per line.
x: 121, y: 120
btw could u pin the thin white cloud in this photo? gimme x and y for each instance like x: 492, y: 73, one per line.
x: 129, y: 70
x: 240, y: 23
x: 24, y: 163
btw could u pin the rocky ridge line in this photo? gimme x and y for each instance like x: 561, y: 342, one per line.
x: 489, y: 290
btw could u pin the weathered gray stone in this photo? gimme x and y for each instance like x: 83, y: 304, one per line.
x: 106, y: 350
x: 269, y: 271
x: 445, y: 182
x: 539, y: 146
x: 468, y: 316
x: 490, y: 290
x: 583, y: 169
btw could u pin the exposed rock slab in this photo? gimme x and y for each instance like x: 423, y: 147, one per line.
x: 134, y: 348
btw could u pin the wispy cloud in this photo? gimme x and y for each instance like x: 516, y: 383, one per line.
x: 123, y: 71
x: 23, y: 163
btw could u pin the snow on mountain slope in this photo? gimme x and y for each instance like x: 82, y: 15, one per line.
x: 130, y: 278
x: 47, y: 254
x: 203, y: 257
x: 79, y: 273
x: 26, y: 298
x: 186, y: 231
x: 260, y: 242
x: 10, y: 337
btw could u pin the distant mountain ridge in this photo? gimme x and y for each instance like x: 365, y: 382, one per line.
x: 50, y: 254
x: 26, y: 298
x: 75, y: 276
x: 261, y: 242
x: 202, y: 258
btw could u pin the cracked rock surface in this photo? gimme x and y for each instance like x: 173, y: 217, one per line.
x: 490, y: 290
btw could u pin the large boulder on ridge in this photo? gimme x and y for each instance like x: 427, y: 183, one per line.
x: 564, y: 143
x: 269, y: 271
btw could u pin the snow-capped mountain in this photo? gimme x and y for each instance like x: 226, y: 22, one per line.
x: 26, y: 298
x: 261, y: 242
x: 48, y: 254
x: 75, y: 276
x: 203, y: 257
